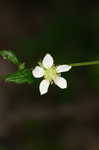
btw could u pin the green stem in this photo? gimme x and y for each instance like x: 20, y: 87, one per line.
x: 85, y: 63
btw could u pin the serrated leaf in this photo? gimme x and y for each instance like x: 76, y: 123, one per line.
x: 10, y: 56
x: 22, y: 76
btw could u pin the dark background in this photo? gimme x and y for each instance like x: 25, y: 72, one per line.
x: 61, y: 119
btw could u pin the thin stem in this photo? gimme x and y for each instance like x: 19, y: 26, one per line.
x: 85, y: 63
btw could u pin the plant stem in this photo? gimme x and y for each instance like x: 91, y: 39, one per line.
x: 85, y: 63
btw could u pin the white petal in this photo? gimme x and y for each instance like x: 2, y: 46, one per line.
x: 38, y: 72
x: 60, y: 82
x: 48, y: 61
x: 44, y: 85
x: 63, y: 68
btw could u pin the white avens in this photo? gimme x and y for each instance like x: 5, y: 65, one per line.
x: 51, y: 74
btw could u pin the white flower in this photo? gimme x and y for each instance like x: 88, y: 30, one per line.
x: 51, y: 74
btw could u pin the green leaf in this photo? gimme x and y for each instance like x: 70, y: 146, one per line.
x: 10, y: 56
x: 22, y: 76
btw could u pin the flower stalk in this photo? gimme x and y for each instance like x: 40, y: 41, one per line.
x: 85, y: 63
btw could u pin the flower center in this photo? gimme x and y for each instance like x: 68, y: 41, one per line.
x: 50, y: 74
